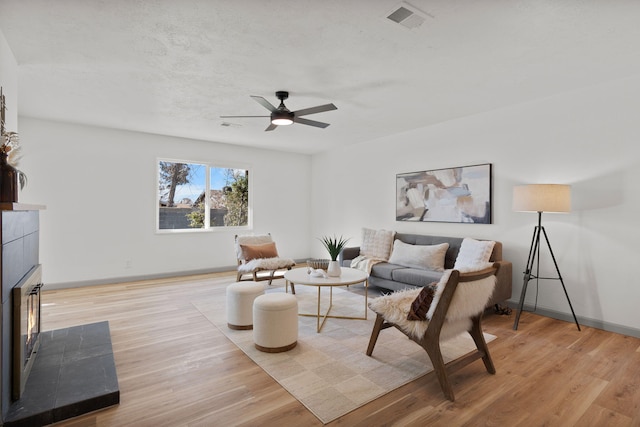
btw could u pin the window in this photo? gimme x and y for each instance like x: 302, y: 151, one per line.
x: 194, y: 196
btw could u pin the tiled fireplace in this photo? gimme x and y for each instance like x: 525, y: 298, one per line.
x: 45, y: 376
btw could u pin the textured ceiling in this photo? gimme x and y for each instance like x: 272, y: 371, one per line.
x: 172, y: 67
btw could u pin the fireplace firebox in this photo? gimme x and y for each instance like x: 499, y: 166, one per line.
x: 26, y: 327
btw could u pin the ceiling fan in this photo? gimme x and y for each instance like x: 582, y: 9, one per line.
x: 282, y: 116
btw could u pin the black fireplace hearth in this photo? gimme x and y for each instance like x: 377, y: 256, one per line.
x: 74, y: 373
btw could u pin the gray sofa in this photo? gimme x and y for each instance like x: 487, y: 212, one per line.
x: 397, y: 277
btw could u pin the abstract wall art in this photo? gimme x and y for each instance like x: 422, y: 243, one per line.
x: 461, y: 194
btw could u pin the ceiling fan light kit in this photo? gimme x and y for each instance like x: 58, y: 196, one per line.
x: 282, y: 116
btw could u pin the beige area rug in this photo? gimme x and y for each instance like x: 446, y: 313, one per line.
x: 329, y: 372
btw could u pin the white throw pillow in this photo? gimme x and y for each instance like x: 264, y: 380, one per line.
x: 376, y: 243
x: 473, y: 253
x: 425, y: 257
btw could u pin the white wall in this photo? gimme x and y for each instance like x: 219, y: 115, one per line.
x: 99, y: 187
x: 584, y: 138
x: 9, y: 83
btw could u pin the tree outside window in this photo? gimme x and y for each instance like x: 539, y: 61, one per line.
x: 201, y: 196
x: 236, y: 195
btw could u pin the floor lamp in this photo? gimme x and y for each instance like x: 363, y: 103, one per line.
x: 540, y: 198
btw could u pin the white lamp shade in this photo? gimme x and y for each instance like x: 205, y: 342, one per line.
x: 542, y: 198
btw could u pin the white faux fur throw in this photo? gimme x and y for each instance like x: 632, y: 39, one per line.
x: 365, y: 263
x: 469, y: 299
x: 265, y: 264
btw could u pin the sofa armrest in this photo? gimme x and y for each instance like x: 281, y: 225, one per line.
x: 504, y: 277
x: 348, y: 254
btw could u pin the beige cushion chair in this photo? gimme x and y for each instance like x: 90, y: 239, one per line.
x: 258, y: 259
x: 458, y: 304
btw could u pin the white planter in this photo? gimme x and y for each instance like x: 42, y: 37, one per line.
x: 334, y: 269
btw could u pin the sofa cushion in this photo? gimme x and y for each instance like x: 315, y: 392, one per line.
x: 473, y: 252
x: 425, y: 257
x: 384, y: 270
x: 415, y: 276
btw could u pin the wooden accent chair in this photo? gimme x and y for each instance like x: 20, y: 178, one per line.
x: 453, y: 314
x: 258, y: 259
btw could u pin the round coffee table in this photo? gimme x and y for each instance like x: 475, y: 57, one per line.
x: 349, y: 276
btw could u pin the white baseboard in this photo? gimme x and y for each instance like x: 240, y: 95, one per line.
x: 586, y: 321
x: 113, y: 280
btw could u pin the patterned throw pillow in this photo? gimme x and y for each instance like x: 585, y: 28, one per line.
x: 376, y: 243
x: 420, y: 306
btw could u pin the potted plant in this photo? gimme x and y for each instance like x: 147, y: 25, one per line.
x: 334, y: 246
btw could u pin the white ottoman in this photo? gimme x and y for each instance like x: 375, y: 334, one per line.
x: 275, y: 322
x: 240, y: 298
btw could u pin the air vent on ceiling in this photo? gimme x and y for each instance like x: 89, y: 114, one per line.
x: 227, y: 124
x: 407, y: 16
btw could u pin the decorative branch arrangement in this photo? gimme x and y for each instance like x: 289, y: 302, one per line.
x: 10, y: 142
x: 3, y: 106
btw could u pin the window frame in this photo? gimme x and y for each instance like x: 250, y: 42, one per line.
x: 207, y: 211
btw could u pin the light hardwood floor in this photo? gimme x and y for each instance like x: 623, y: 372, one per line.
x: 176, y: 369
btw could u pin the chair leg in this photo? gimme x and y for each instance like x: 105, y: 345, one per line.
x: 377, y: 326
x: 271, y: 276
x: 481, y: 344
x: 433, y: 350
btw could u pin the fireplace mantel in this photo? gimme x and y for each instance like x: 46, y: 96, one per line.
x: 4, y: 206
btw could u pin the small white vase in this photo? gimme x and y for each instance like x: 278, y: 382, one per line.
x: 334, y: 269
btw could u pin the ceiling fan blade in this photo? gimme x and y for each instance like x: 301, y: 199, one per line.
x: 266, y: 104
x: 270, y: 127
x: 235, y: 117
x: 310, y: 122
x: 314, y: 110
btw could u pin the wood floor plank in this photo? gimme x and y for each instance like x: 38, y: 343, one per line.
x: 598, y: 416
x: 177, y: 369
x: 623, y: 393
